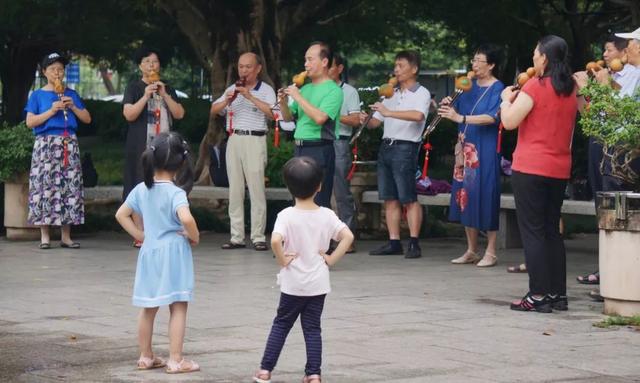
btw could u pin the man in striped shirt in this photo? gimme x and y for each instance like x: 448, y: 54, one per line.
x: 247, y: 109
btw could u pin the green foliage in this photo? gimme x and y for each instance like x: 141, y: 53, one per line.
x: 107, y: 156
x: 196, y: 119
x: 276, y: 158
x: 107, y: 120
x: 611, y: 119
x: 618, y: 321
x: 16, y: 146
x: 614, y: 121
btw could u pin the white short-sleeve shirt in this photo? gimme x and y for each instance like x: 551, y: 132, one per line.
x: 628, y: 79
x: 246, y: 115
x: 306, y: 233
x: 416, y: 98
x: 350, y: 105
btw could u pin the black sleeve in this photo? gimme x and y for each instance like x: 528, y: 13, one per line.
x: 132, y: 94
x: 173, y: 94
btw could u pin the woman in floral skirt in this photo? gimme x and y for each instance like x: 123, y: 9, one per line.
x: 55, y: 178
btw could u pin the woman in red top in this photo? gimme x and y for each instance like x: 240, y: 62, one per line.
x: 545, y: 112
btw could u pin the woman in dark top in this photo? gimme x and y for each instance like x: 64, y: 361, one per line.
x: 150, y: 106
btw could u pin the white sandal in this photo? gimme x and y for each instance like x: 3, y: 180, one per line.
x: 145, y: 363
x: 488, y: 260
x: 179, y: 367
x: 467, y: 257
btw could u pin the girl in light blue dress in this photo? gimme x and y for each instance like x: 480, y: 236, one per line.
x: 164, y: 274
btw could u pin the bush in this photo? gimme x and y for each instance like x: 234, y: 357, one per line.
x: 196, y: 120
x: 16, y: 146
x: 108, y: 122
x: 614, y: 122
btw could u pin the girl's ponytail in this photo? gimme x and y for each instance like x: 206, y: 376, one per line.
x: 148, y: 166
x: 185, y: 175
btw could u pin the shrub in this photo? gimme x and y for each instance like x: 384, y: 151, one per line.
x: 614, y: 122
x: 16, y: 146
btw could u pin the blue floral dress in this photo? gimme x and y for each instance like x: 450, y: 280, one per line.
x: 475, y: 190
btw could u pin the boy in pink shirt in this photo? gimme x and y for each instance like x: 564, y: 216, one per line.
x: 300, y: 239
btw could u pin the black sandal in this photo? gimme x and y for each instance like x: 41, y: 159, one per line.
x: 45, y: 246
x: 231, y: 246
x: 260, y: 246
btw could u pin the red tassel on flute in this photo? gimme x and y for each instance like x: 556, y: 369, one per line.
x: 353, y: 163
x: 425, y: 166
x: 276, y: 133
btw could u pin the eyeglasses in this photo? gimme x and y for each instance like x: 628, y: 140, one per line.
x: 473, y: 61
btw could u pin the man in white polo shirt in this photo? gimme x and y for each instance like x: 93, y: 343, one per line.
x: 248, y: 108
x: 349, y: 118
x: 404, y: 117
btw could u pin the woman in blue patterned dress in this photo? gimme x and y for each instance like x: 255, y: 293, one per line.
x: 55, y: 178
x: 475, y: 193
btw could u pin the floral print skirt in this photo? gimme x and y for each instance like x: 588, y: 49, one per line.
x: 55, y: 188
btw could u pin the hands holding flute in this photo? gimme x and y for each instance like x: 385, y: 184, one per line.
x: 599, y: 71
x: 384, y: 91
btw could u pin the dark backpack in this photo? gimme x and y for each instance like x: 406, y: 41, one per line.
x: 218, y: 164
x: 89, y: 173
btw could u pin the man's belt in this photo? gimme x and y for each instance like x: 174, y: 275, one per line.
x: 257, y: 133
x: 310, y: 143
x: 393, y: 141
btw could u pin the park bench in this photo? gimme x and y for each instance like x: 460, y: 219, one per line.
x: 113, y: 194
x: 508, y: 233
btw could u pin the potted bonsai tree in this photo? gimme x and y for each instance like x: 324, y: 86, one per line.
x: 614, y: 121
x: 16, y: 145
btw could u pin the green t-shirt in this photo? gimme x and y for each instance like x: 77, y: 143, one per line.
x: 326, y: 96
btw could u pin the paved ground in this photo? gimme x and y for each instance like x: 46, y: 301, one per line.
x: 65, y: 315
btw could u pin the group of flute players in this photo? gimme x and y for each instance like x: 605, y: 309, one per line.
x: 542, y: 105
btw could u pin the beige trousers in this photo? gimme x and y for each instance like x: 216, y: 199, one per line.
x: 246, y: 159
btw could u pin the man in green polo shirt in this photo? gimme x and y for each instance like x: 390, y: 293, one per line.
x: 316, y: 108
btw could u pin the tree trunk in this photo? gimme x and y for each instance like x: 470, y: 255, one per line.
x: 106, y: 80
x: 17, y: 78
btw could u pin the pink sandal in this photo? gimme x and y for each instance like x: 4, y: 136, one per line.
x: 145, y: 363
x: 312, y: 379
x: 180, y: 368
x: 262, y: 376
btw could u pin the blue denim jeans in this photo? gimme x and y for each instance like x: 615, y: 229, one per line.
x: 397, y: 165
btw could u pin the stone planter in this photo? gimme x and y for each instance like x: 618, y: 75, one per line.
x: 16, y: 205
x: 619, y: 251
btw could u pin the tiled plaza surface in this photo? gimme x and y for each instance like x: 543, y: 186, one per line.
x: 66, y: 316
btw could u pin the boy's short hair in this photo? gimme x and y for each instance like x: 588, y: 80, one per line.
x: 303, y: 176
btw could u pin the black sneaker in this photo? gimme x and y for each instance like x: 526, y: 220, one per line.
x: 413, y: 251
x: 559, y: 302
x: 387, y: 250
x: 530, y: 303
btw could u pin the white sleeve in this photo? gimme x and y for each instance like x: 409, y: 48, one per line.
x: 222, y: 97
x: 421, y: 102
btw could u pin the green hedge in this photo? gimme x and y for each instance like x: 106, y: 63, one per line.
x: 108, y: 122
